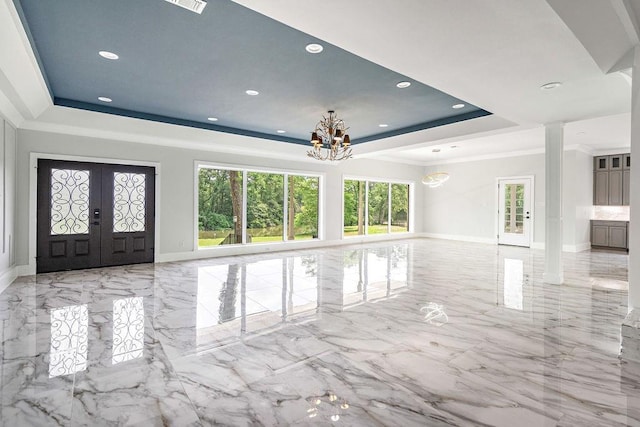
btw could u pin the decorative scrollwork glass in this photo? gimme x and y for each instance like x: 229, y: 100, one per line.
x: 128, y: 202
x: 128, y: 329
x: 69, y: 201
x: 69, y: 340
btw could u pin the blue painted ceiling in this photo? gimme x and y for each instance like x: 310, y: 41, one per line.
x: 179, y: 67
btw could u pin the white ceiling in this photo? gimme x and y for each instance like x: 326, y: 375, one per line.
x: 495, y: 54
x: 602, y: 135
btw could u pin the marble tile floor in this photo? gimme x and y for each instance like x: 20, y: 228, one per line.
x: 416, y: 332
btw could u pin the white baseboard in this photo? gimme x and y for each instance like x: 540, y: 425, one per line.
x: 565, y: 248
x: 461, y: 238
x: 260, y: 248
x: 25, y: 270
x: 554, y: 279
x: 473, y: 239
x: 581, y: 247
x: 7, y: 277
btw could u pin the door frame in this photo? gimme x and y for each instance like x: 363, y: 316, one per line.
x: 499, y: 208
x: 33, y: 195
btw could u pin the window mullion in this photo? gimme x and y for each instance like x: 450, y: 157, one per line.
x: 245, y: 181
x: 285, y: 207
x: 389, y: 208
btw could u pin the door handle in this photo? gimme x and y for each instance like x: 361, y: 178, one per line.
x: 96, y: 223
x: 96, y: 214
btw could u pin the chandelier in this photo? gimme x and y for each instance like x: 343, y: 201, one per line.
x: 330, y: 140
x: 435, y: 179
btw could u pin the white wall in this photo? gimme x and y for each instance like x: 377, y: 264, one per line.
x: 176, y: 185
x: 7, y: 202
x: 583, y: 200
x: 465, y: 207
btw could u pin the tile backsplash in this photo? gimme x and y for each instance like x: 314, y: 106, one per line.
x: 610, y: 213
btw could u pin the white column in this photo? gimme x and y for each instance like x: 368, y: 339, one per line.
x: 553, y: 156
x: 634, y: 221
x: 630, y: 345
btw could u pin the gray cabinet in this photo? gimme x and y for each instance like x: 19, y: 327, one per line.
x: 610, y: 234
x: 615, y: 187
x: 601, y: 163
x: 611, y: 180
x: 626, y: 178
x: 599, y: 235
x: 601, y: 188
x: 618, y: 236
x: 615, y: 162
x: 626, y: 183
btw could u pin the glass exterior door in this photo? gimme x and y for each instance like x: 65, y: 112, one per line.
x: 514, y: 212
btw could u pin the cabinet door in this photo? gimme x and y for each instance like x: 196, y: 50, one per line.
x: 601, y: 188
x: 615, y: 188
x: 626, y: 163
x: 626, y: 183
x: 618, y: 237
x: 601, y: 163
x: 599, y: 235
x: 615, y: 162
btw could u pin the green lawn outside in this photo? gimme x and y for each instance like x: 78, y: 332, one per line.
x: 208, y: 242
x: 352, y: 230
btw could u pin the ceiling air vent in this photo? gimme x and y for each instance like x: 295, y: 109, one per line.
x: 196, y: 6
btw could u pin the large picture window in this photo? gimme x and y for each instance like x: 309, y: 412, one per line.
x: 375, y: 207
x: 354, y: 207
x: 378, y: 212
x: 265, y: 210
x: 244, y: 206
x: 399, y: 208
x: 219, y: 207
x: 302, y: 207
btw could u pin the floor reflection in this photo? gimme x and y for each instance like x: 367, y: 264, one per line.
x: 69, y: 340
x: 434, y: 314
x: 371, y: 274
x: 128, y: 329
x: 417, y: 332
x: 513, y: 281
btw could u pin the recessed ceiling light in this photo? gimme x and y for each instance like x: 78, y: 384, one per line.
x: 454, y: 146
x: 457, y: 106
x: 383, y: 125
x: 104, y: 99
x: 252, y: 92
x: 551, y: 85
x: 314, y: 48
x: 212, y: 119
x: 403, y: 85
x: 108, y: 55
x: 435, y: 150
x: 281, y: 131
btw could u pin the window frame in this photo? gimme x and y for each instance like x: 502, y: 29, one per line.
x: 245, y: 170
x: 389, y: 182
